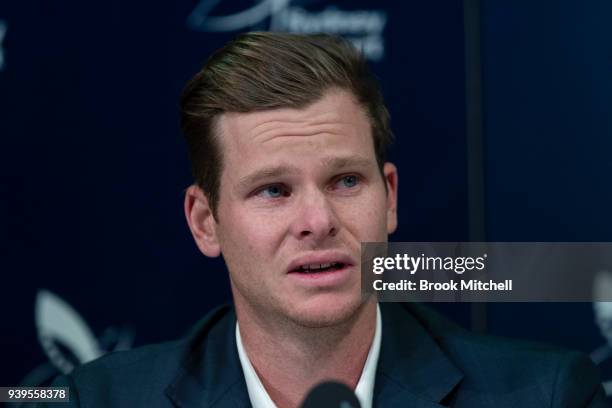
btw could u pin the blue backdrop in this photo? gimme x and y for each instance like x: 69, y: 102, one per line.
x: 93, y: 165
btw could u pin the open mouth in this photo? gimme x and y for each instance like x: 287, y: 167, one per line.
x: 318, y: 268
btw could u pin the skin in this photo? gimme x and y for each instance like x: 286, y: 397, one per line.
x: 298, y: 185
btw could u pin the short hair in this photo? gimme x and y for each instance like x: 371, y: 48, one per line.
x: 260, y: 71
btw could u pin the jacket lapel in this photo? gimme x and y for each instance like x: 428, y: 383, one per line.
x: 412, y: 369
x: 211, y: 374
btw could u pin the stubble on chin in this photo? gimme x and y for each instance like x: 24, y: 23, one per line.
x: 340, y: 315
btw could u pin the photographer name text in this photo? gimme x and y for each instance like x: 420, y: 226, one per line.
x: 425, y: 285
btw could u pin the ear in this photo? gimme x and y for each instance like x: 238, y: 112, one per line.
x: 201, y: 221
x: 390, y: 172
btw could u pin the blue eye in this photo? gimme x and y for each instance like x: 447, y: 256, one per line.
x: 273, y: 191
x: 349, y: 181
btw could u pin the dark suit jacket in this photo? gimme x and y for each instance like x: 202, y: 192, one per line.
x: 425, y: 361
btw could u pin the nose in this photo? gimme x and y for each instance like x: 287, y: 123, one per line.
x: 315, y: 217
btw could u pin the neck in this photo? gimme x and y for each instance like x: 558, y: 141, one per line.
x: 291, y: 359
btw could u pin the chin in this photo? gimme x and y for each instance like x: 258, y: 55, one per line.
x: 326, y: 311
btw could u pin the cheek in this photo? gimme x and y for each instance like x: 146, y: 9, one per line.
x: 366, y: 218
x: 247, y: 235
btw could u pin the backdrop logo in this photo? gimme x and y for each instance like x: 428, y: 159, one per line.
x: 67, y: 339
x: 364, y: 28
x: 2, y: 34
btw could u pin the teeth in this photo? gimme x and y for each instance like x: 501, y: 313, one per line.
x: 314, y: 267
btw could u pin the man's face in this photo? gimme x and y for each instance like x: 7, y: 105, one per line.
x: 300, y: 190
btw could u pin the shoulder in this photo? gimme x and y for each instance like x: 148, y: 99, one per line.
x: 497, y: 365
x: 137, y: 377
x: 127, y: 367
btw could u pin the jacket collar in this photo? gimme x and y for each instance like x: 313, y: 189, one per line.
x: 412, y: 369
x: 211, y: 374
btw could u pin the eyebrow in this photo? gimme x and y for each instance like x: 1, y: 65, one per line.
x: 350, y: 161
x: 334, y: 163
x: 266, y: 173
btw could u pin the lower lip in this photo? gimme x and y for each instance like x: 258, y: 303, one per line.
x: 327, y: 278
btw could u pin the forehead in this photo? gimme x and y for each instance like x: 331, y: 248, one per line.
x: 334, y: 122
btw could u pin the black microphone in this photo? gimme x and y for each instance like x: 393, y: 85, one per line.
x: 331, y: 394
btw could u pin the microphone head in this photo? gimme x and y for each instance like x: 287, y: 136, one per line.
x: 331, y: 394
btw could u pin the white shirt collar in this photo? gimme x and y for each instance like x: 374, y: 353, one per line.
x: 365, y: 387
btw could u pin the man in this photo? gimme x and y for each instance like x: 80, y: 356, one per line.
x: 287, y: 136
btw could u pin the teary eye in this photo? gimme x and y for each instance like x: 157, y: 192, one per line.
x: 349, y: 181
x: 273, y: 191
